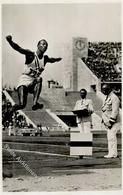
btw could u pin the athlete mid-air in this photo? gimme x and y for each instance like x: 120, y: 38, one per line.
x: 31, y: 81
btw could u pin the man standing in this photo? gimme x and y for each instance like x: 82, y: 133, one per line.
x: 83, y: 109
x: 111, y: 119
x: 31, y: 80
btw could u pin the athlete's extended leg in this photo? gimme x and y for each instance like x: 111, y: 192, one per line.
x: 22, y: 97
x: 37, y: 91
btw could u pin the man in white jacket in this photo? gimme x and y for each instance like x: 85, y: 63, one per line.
x: 83, y: 109
x: 111, y: 119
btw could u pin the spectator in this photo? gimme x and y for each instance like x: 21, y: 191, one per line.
x: 11, y: 130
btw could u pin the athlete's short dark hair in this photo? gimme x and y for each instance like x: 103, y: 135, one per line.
x: 42, y: 40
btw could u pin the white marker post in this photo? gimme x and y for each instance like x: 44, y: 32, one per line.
x: 81, y: 144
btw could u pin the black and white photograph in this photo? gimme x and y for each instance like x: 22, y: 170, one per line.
x: 61, y: 75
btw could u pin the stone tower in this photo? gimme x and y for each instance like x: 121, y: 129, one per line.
x: 80, y: 50
x: 77, y: 73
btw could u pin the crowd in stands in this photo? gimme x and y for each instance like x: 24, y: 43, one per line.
x: 10, y: 118
x: 102, y: 59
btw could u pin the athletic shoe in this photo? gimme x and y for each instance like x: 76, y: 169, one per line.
x: 37, y: 106
x: 109, y: 156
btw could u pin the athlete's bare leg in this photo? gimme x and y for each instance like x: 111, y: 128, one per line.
x: 37, y: 91
x: 22, y: 97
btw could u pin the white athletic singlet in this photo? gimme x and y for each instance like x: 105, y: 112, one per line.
x: 31, y: 71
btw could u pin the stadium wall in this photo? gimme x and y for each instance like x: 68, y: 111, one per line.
x: 85, y: 77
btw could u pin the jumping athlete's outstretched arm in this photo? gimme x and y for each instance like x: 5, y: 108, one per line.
x: 52, y: 60
x: 29, y: 55
x: 16, y: 46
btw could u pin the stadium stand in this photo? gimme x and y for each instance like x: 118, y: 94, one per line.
x: 103, y: 58
x: 42, y: 117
